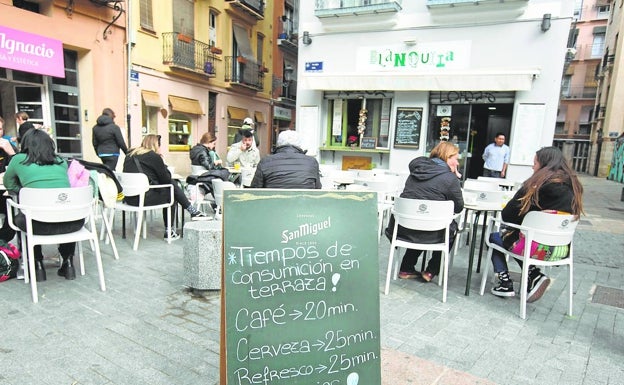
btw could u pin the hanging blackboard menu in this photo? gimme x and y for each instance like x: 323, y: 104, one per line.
x: 407, y: 130
x: 300, y: 301
x: 369, y: 143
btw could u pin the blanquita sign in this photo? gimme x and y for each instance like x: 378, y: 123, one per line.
x: 28, y: 52
x: 300, y: 301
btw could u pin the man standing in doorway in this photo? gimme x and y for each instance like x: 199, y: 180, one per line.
x: 496, y: 157
x: 107, y: 139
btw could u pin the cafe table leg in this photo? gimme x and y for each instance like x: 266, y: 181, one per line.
x: 475, y: 221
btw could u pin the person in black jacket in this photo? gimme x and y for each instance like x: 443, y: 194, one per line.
x: 553, y: 186
x: 289, y: 167
x: 204, y: 154
x: 146, y: 159
x: 107, y: 139
x: 433, y: 178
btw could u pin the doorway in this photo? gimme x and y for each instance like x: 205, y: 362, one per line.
x: 471, y: 127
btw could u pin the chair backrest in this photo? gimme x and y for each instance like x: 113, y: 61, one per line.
x: 420, y: 214
x: 494, y: 197
x: 550, y: 229
x: 480, y: 185
x: 247, y: 174
x: 197, y: 170
x: 53, y: 205
x: 218, y: 186
x: 133, y: 183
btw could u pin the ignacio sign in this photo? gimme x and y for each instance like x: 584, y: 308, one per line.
x: 31, y: 53
x: 301, y: 288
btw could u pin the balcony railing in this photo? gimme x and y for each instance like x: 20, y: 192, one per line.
x: 244, y: 72
x: 579, y: 92
x: 334, y: 8
x: 182, y: 51
x: 588, y: 13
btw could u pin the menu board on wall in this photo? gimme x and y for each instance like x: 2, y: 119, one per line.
x: 526, y: 138
x: 300, y: 299
x: 407, y: 127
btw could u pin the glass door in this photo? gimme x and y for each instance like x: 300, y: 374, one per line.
x: 66, y: 109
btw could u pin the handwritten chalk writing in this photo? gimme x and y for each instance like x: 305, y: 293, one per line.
x: 296, y: 286
x: 247, y: 256
x: 320, y: 310
x: 333, y: 250
x: 268, y: 275
x: 341, y: 362
x: 259, y: 319
x: 337, y: 339
x: 350, y: 264
x: 268, y: 375
x: 246, y: 352
x: 305, y: 229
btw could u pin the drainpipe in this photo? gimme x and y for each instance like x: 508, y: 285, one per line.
x: 129, y: 45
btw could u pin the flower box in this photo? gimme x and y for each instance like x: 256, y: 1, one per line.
x: 241, y: 60
x: 184, y: 38
x: 264, y: 69
x: 216, y: 50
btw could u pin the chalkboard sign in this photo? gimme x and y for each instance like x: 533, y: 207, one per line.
x: 407, y: 130
x: 300, y: 301
x: 368, y: 143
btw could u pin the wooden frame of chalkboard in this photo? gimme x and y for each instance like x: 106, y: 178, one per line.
x: 368, y: 142
x: 407, y: 127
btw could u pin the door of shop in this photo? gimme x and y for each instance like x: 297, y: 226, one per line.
x: 470, y: 120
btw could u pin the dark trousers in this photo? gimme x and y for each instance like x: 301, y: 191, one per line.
x: 161, y: 195
x: 110, y: 161
x: 491, y: 173
x: 44, y: 228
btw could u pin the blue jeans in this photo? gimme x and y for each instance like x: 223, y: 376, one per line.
x: 498, y: 258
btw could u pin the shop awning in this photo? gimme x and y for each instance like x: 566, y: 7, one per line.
x: 481, y: 80
x: 237, y: 113
x: 189, y: 106
x: 259, y: 117
x: 151, y: 98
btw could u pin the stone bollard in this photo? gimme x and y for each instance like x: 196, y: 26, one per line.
x: 202, y: 255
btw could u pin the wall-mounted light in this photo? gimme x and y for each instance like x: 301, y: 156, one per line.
x: 545, y: 26
x: 307, y: 40
x: 288, y: 72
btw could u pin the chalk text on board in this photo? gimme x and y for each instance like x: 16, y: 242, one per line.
x: 306, y: 229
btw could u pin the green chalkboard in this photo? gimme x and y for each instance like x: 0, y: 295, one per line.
x: 407, y: 127
x: 301, y: 287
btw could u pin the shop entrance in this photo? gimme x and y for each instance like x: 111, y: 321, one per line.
x: 471, y: 124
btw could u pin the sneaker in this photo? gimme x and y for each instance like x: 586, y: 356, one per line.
x: 174, y: 236
x: 537, y: 286
x: 199, y: 216
x: 504, y: 287
x: 408, y: 274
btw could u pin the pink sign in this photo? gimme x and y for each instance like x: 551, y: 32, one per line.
x: 27, y: 52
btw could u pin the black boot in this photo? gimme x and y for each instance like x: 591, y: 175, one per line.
x: 40, y: 273
x: 67, y: 268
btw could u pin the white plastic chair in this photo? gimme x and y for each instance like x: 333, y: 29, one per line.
x: 546, y: 229
x: 424, y: 215
x: 247, y: 174
x: 480, y: 185
x: 137, y: 184
x: 385, y: 187
x: 55, y: 205
x: 218, y: 186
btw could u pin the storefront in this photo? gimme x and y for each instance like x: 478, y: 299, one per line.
x: 397, y: 93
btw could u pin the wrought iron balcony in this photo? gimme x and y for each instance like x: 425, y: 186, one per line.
x: 287, y: 38
x: 579, y: 92
x: 253, y: 7
x: 337, y: 8
x: 244, y: 72
x: 183, y: 52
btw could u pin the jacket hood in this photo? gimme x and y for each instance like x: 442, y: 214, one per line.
x: 289, y: 148
x: 424, y: 168
x: 104, y: 120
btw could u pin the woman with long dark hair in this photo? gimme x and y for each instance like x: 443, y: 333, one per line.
x: 38, y: 166
x: 553, y: 186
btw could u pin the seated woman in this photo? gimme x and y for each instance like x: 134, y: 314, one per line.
x: 146, y: 159
x: 553, y: 186
x: 37, y: 166
x: 204, y: 154
x: 435, y: 179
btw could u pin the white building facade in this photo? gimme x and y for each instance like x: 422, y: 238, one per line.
x: 381, y: 82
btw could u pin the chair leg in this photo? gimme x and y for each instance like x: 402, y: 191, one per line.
x: 444, y: 277
x: 81, y: 256
x: 570, y: 288
x: 389, y: 272
x: 107, y: 225
x: 486, y: 270
x: 523, y: 288
x: 31, y: 269
x: 25, y: 263
x: 137, y: 233
x: 98, y: 260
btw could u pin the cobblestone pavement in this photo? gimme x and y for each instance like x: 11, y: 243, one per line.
x: 148, y: 328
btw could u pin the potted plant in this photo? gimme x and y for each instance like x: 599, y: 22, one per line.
x: 216, y: 50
